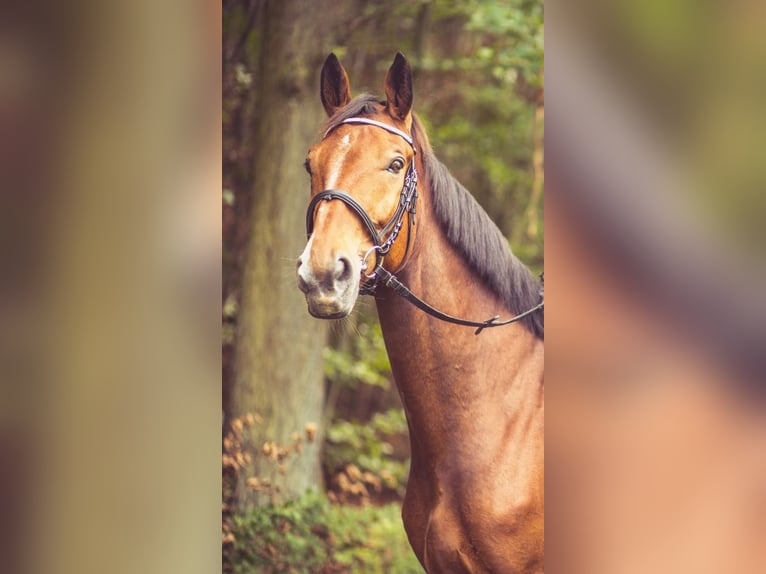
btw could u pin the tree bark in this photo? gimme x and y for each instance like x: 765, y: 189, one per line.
x: 278, y: 363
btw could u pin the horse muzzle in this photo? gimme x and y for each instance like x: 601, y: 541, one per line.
x: 331, y: 291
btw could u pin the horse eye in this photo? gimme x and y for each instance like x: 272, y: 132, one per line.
x: 307, y: 166
x: 396, y: 165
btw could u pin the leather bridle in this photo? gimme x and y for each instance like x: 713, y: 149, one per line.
x: 384, y: 239
x: 390, y: 231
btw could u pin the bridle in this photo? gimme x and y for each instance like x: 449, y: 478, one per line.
x: 407, y: 200
x: 390, y: 231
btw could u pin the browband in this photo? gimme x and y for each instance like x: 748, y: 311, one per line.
x: 404, y: 135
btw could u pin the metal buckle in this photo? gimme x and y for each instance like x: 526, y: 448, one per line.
x: 365, y: 266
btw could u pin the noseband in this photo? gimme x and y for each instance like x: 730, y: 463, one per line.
x: 407, y: 200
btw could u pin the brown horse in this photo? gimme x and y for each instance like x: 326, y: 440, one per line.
x: 473, y: 397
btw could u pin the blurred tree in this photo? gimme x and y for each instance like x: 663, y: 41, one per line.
x: 278, y: 350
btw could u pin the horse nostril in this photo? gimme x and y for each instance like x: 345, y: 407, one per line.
x: 303, y: 285
x: 343, y: 269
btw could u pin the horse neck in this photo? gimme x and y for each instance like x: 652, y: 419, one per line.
x: 444, y: 370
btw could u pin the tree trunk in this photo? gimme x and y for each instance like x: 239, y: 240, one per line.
x: 278, y: 359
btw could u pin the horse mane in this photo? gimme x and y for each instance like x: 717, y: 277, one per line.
x: 466, y: 224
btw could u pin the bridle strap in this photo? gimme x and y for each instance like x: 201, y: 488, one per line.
x: 404, y: 135
x: 407, y: 200
x: 330, y: 194
x: 390, y: 281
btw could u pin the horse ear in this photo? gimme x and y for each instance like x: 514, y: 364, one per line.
x: 334, y: 87
x: 399, y: 88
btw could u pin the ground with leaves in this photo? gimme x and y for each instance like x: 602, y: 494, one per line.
x: 312, y: 535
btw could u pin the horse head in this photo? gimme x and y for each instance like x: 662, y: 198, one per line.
x: 372, y: 172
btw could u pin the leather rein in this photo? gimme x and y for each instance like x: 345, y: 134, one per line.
x: 381, y: 247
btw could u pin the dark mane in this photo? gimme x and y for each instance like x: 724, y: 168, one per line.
x: 473, y: 234
x: 467, y: 226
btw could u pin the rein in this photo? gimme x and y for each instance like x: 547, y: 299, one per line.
x: 390, y: 280
x: 381, y: 247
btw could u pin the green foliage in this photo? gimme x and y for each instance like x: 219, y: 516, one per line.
x: 482, y: 113
x: 310, y: 535
x: 513, y: 37
x: 360, y: 359
x: 364, y: 361
x: 366, y: 445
